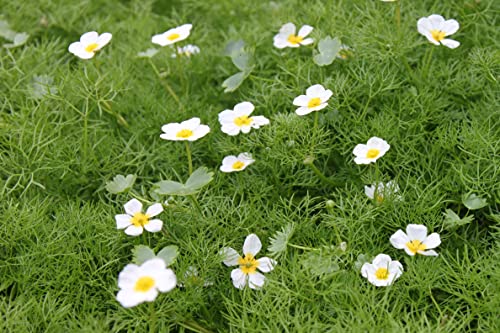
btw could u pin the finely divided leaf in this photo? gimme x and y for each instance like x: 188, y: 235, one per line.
x: 280, y: 239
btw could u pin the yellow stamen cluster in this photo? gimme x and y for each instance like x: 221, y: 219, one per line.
x: 173, y: 36
x: 238, y: 165
x: 314, y: 102
x: 415, y: 245
x: 438, y: 35
x: 248, y: 264
x: 372, y: 153
x: 293, y: 39
x: 140, y: 219
x: 185, y: 133
x: 382, y: 274
x: 144, y: 284
x: 91, y: 47
x: 243, y: 121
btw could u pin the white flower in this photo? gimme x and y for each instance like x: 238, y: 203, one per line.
x: 135, y: 221
x: 416, y: 240
x: 345, y: 52
x: 173, y: 35
x: 140, y: 284
x: 371, y: 152
x: 379, y: 191
x: 248, y: 264
x: 187, y: 51
x: 287, y: 37
x: 149, y: 53
x: 189, y: 130
x: 238, y: 120
x: 232, y: 163
x: 315, y: 99
x: 89, y: 44
x: 435, y: 28
x: 383, y: 271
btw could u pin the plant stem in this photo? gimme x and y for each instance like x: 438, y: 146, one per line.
x: 152, y: 318
x: 190, y: 161
x: 316, y: 120
x: 428, y: 60
x: 321, y: 175
x: 398, y: 14
x: 193, y: 326
x: 300, y: 247
x: 166, y: 85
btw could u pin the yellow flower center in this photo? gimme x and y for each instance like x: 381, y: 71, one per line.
x: 314, y: 102
x: 91, y: 47
x: 248, y: 264
x: 382, y: 274
x: 379, y: 198
x: 173, y: 36
x: 185, y: 133
x: 415, y: 245
x: 243, y: 121
x: 293, y: 39
x: 144, y: 284
x: 372, y: 153
x: 140, y: 219
x: 238, y: 165
x: 438, y: 35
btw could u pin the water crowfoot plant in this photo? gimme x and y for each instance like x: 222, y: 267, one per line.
x: 135, y: 221
x: 382, y: 271
x: 415, y: 240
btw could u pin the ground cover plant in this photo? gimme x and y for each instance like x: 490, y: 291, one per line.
x: 350, y: 148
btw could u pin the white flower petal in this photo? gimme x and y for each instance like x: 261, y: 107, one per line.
x: 305, y: 30
x: 132, y: 207
x: 399, y: 239
x: 191, y: 124
x: 128, y: 298
x: 154, y: 209
x: 280, y: 42
x: 288, y: 29
x: 239, y: 278
x: 128, y: 276
x: 200, y: 132
x: 252, y: 245
x: 432, y: 241
x: 303, y: 110
x: 382, y: 260
x: 307, y: 41
x: 452, y: 44
x: 325, y: 96
x: 89, y: 37
x: 370, y: 191
x: 256, y: 280
x: 154, y: 225
x: 103, y: 39
x: 266, y: 264
x: 301, y: 100
x: 416, y: 232
x: 166, y: 280
x: 424, y: 26
x: 428, y: 253
x: 152, y: 266
x: 436, y: 21
x: 133, y: 230
x: 244, y: 108
x: 122, y: 221
x: 315, y: 91
x: 230, y: 256
x: 367, y: 270
x: 450, y: 27
x: 259, y: 121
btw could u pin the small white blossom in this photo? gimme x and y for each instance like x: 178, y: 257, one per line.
x: 380, y: 191
x: 315, y: 99
x: 173, y: 35
x: 435, y: 28
x: 140, y: 284
x: 232, y: 163
x: 382, y: 271
x: 89, y: 44
x: 371, y: 152
x: 415, y: 240
x: 247, y: 273
x: 135, y: 221
x: 186, y: 51
x: 189, y: 130
x: 239, y: 120
x: 287, y: 37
